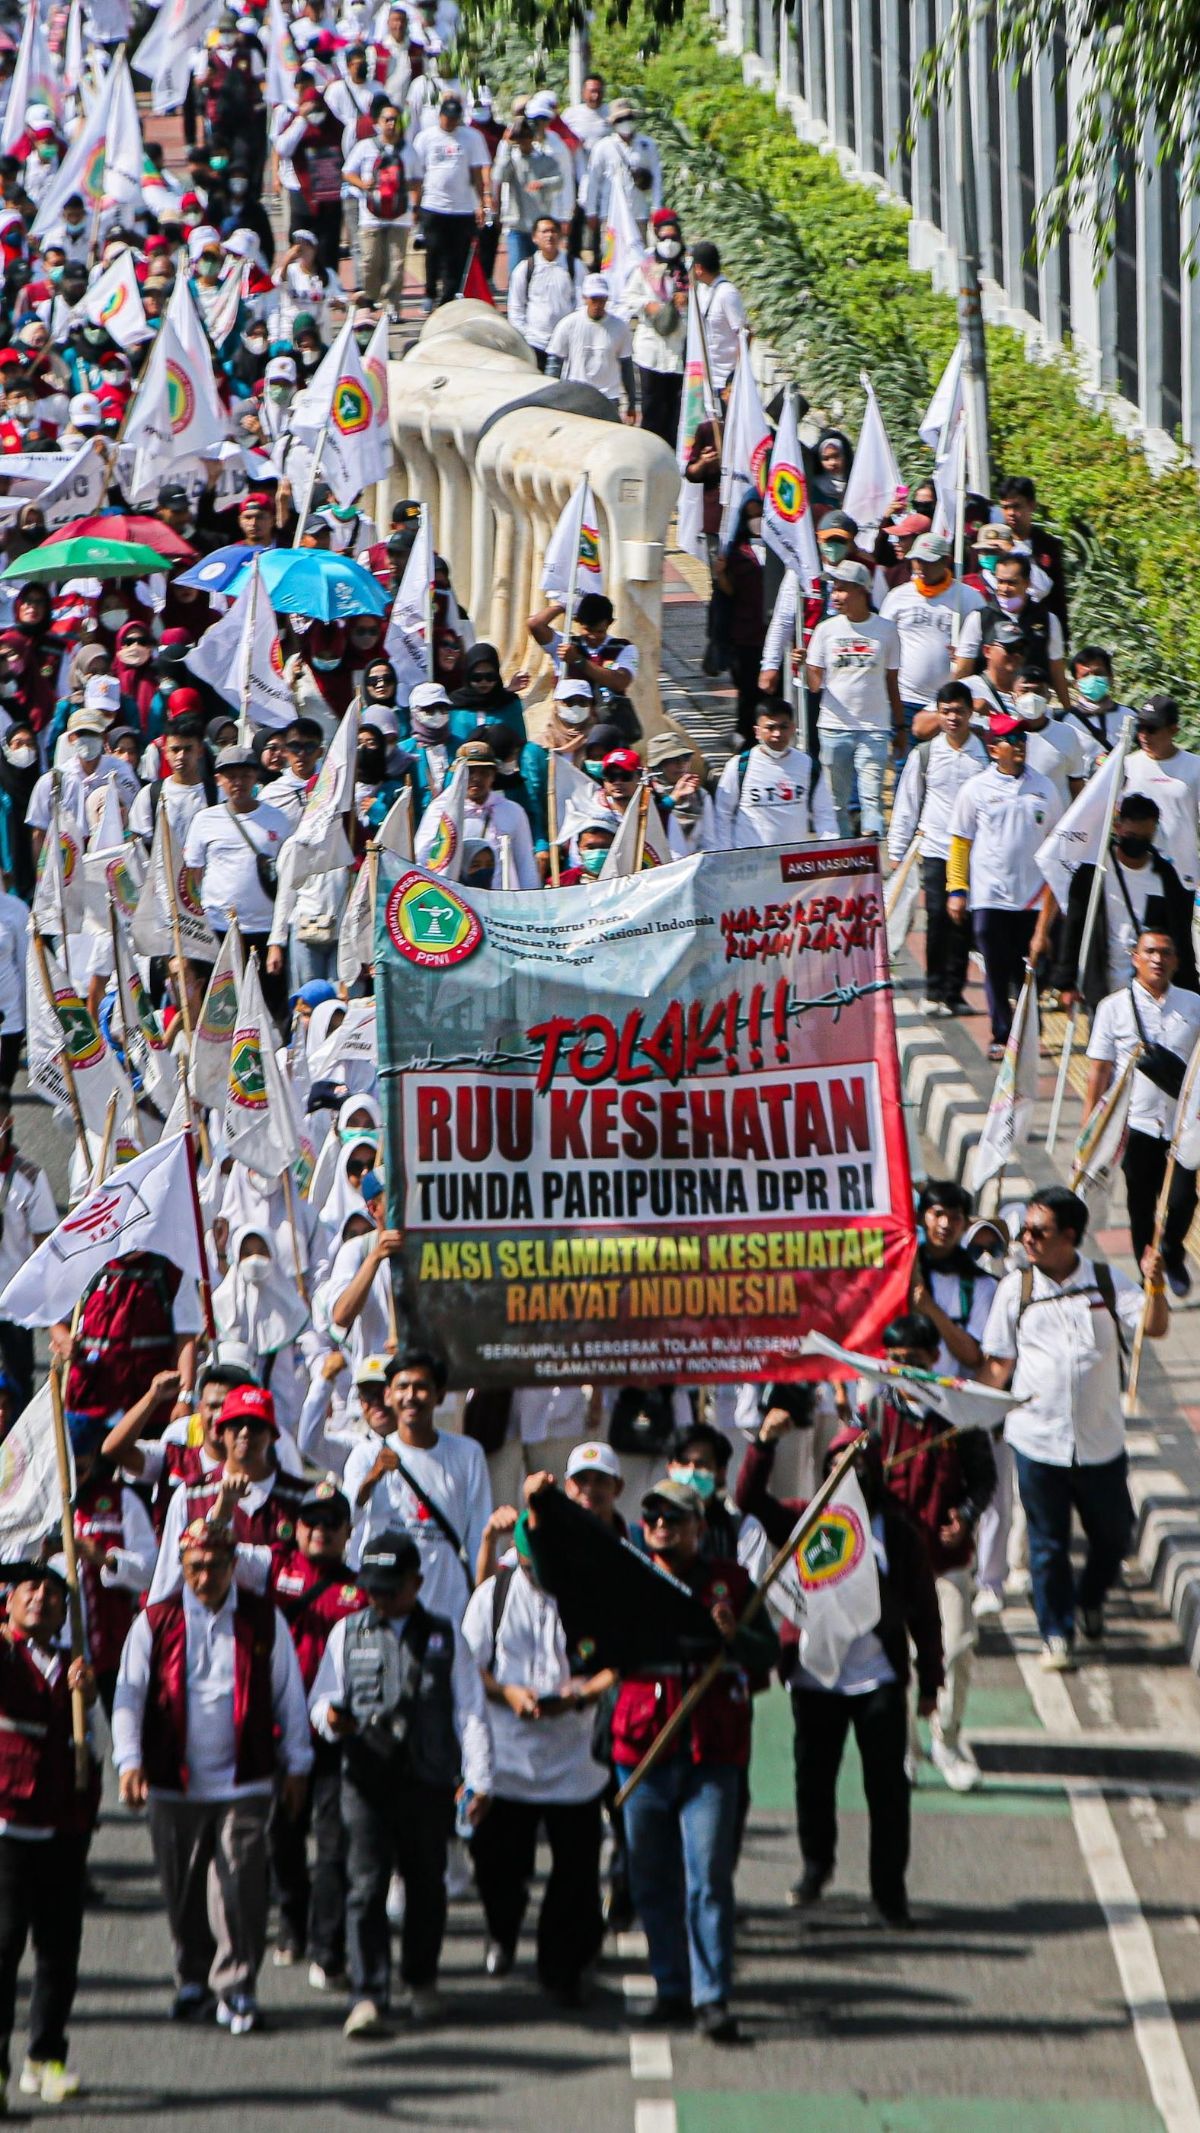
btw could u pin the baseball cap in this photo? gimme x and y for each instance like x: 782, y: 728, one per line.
x: 665, y: 747
x: 256, y: 497
x: 370, y: 1186
x: 476, y: 752
x: 427, y: 696
x: 281, y: 370
x: 931, y: 548
x: 677, y: 1494
x: 622, y: 109
x: 325, y: 1500
x: 1002, y: 724
x: 88, y: 721
x: 372, y: 1370
x: 84, y: 411
x: 838, y: 523
x: 912, y: 523
x: 594, y: 1459
x: 102, y: 692
x: 594, y: 285
x: 620, y: 759
x: 387, y: 1560
x: 573, y: 692
x: 850, y: 574
x: 248, y: 1403
x: 1006, y: 634
x: 235, y: 757
x: 1155, y: 717
x: 543, y: 105
x: 172, y: 496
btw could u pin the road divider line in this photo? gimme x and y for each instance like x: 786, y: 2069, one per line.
x: 650, y: 2059
x: 655, y: 2118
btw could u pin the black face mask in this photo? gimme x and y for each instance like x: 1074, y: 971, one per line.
x: 370, y: 766
x: 1131, y: 847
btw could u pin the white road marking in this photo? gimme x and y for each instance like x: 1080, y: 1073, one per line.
x: 655, y: 2118
x: 637, y: 1985
x: 1162, y: 2054
x: 650, y: 2059
x: 633, y: 1947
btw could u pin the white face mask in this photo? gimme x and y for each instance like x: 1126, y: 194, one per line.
x: 574, y: 714
x: 21, y: 758
x: 88, y: 747
x: 1031, y: 707
x: 1010, y: 603
x: 775, y: 748
x: 255, y: 1269
x: 113, y: 617
x: 669, y: 248
x: 626, y: 128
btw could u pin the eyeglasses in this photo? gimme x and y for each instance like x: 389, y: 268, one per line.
x: 301, y: 747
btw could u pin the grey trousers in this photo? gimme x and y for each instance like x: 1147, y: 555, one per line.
x: 211, y: 1857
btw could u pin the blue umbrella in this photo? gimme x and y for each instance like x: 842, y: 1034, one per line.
x: 309, y: 581
x: 215, y: 573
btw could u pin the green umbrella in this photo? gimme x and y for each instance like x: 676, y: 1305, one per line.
x: 85, y: 557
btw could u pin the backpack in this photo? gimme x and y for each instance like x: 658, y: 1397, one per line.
x: 1105, y: 1289
x: 388, y: 194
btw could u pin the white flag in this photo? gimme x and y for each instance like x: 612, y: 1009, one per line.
x: 1080, y: 837
x: 338, y: 406
x: 375, y: 369
x: 34, y: 81
x: 1010, y: 1113
x: 787, y: 511
x: 745, y: 444
x: 395, y: 832
x: 213, y: 1034
x: 319, y: 842
x: 1186, y: 1131
x: 874, y: 475
x: 900, y: 897
x: 167, y: 53
x: 58, y: 895
x: 407, y: 641
x: 962, y: 1402
x: 260, y: 1128
x: 621, y: 247
x: 175, y: 411
x: 695, y: 407
x: 30, y: 1497
x: 354, y: 1038
x: 830, y: 1587
x: 114, y: 301
x: 94, y: 1069
x: 44, y: 1042
x: 439, y: 839
x: 949, y: 477
x: 240, y: 657
x: 65, y: 488
x: 356, y: 934
x: 945, y: 407
x: 105, y: 161
x: 279, y: 73
x: 145, y: 1206
x: 1101, y: 1142
x: 152, y: 930
x: 573, y: 551
x: 146, y: 1050
x: 621, y: 856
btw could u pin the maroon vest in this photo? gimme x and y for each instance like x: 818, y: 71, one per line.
x: 37, y: 1761
x: 182, y: 1464
x: 273, y: 1523
x: 164, y: 1727
x: 99, y: 1515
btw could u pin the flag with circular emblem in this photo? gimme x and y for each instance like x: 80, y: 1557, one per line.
x: 337, y: 413
x: 787, y: 513
x: 829, y: 1588
x: 260, y: 1125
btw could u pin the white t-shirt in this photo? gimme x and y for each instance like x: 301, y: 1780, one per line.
x: 443, y: 163
x: 853, y: 658
x: 593, y: 350
x: 932, y: 778
x: 453, y: 1473
x: 1174, y: 1021
x: 1068, y: 1373
x: 219, y: 851
x: 926, y: 629
x: 1174, y: 787
x: 1006, y: 820
x: 950, y: 1293
x: 182, y: 802
x: 29, y: 1213
x: 770, y: 803
x: 970, y: 642
x: 541, y: 293
x: 360, y: 163
x: 724, y: 316
x: 1127, y: 891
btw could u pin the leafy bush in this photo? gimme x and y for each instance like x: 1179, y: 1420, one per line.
x: 823, y: 266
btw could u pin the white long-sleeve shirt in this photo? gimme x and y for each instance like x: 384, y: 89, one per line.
x: 541, y: 293
x: 211, y: 1749
x: 932, y: 778
x: 470, y: 1706
x: 546, y: 1759
x: 770, y: 804
x: 613, y: 160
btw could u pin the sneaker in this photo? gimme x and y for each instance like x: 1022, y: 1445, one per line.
x: 996, y: 1051
x: 425, y: 2004
x: 1057, y: 1656
x: 987, y: 1603
x: 933, y: 1008
x: 497, y: 1959
x: 322, y: 1980
x: 1018, y: 1584
x: 365, y: 2019
x: 285, y: 1956
x: 1091, y: 1622
x: 715, y: 2022
x: 49, y: 2079
x: 808, y: 1890
x: 238, y: 2014
x: 956, y: 1763
x: 958, y: 1008
x: 1179, y: 1278
x: 395, y: 1902
x: 192, y: 2003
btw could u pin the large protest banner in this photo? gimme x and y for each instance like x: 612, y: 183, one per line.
x: 648, y: 1129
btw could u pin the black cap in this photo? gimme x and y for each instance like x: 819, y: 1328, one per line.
x: 172, y: 496
x: 31, y: 1574
x: 1006, y: 635
x: 406, y: 512
x: 325, y: 1500
x: 323, y: 1096
x: 387, y: 1560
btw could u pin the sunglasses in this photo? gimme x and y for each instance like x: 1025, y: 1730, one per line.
x: 620, y: 777
x: 133, y: 644
x: 665, y: 1518
x: 1036, y: 1236
x: 301, y: 747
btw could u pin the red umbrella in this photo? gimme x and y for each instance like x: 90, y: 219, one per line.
x: 129, y: 526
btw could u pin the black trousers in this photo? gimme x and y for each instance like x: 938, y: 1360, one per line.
x: 1145, y: 1165
x: 312, y: 1906
x: 401, y: 1828
x: 947, y: 946
x: 569, y: 1929
x: 447, y: 250
x: 1002, y: 938
x: 275, y: 988
x: 659, y: 393
x: 822, y: 1720
x: 745, y: 663
x: 41, y: 1892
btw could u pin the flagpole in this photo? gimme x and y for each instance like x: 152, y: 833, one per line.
x: 1089, y: 927
x: 289, y: 1195
x: 552, y: 814
x: 176, y: 931
x: 210, y: 1325
x: 71, y: 1564
x: 960, y: 542
x: 573, y: 577
x: 245, y: 675
x: 113, y: 924
x: 430, y: 599
x: 798, y: 1535
x: 715, y: 418
x: 313, y: 471
x: 899, y: 876
x: 39, y: 949
x: 1160, y: 1222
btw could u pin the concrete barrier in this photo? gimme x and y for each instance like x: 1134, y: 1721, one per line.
x: 470, y: 440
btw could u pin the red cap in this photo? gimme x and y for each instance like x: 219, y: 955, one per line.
x: 1001, y: 724
x: 910, y: 525
x: 664, y: 218
x: 10, y: 355
x: 170, y: 638
x: 154, y: 244
x: 257, y: 497
x: 182, y: 702
x: 248, y: 1403
x: 622, y: 759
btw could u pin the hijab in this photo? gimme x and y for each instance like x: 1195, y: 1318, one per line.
x: 342, y: 1136
x: 140, y: 684
x: 826, y: 489
x: 345, y: 1194
x: 265, y: 1314
x: 498, y: 702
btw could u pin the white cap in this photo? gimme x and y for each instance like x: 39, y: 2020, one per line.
x: 280, y: 370
x: 595, y: 285
x: 242, y: 243
x: 303, y: 237
x: 573, y: 692
x: 202, y: 240
x: 84, y: 408
x: 102, y: 692
x: 53, y: 239
x: 383, y: 718
x: 543, y: 105
x: 594, y: 1459
x: 427, y: 696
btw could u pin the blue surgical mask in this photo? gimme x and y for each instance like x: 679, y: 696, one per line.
x: 592, y: 862
x: 696, y: 1477
x: 1094, y: 688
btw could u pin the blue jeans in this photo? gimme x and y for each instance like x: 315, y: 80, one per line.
x: 1100, y: 1494
x: 681, y: 1834
x: 519, y: 245
x: 308, y: 960
x: 848, y: 757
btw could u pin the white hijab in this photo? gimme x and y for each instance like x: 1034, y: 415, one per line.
x: 329, y: 1162
x: 265, y: 1314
